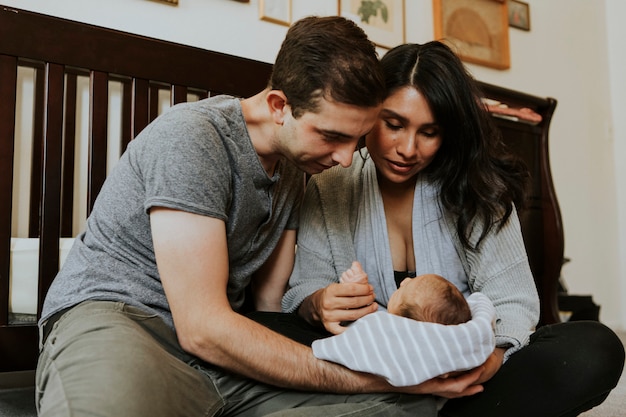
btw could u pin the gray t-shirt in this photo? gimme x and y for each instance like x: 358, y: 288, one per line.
x: 196, y: 157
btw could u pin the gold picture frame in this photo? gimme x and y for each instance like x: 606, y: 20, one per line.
x: 382, y: 20
x: 519, y: 15
x: 170, y: 2
x: 477, y: 30
x: 275, y: 11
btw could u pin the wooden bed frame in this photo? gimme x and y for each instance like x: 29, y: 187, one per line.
x: 540, y: 220
x: 60, y: 51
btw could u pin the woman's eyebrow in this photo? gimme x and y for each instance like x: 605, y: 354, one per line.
x: 402, y: 119
x: 393, y: 114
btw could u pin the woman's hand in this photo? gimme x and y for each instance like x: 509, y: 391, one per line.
x: 338, y: 303
x: 492, y: 365
x: 460, y: 385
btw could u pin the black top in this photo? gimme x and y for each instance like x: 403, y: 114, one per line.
x: 399, y: 276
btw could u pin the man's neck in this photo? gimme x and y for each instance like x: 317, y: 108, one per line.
x: 262, y: 130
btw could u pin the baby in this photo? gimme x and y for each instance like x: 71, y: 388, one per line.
x: 399, y: 346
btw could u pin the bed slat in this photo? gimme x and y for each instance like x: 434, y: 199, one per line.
x: 38, y: 132
x: 69, y: 140
x: 153, y: 102
x: 8, y: 75
x: 98, y: 117
x: 127, y: 123
x: 140, y: 105
x: 51, y: 183
x: 178, y: 94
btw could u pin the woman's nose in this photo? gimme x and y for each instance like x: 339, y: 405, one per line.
x: 407, y: 146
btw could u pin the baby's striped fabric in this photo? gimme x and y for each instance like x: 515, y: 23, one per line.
x: 408, y: 352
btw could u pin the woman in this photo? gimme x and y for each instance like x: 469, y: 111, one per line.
x: 435, y: 192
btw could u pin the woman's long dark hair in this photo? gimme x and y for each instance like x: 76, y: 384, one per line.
x: 479, y: 179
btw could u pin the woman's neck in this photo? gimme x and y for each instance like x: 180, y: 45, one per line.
x: 393, y: 191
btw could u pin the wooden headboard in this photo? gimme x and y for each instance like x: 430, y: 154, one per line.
x: 540, y: 219
x: 59, y: 52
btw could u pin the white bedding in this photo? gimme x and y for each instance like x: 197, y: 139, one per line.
x: 24, y: 270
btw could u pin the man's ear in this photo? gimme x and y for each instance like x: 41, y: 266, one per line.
x: 277, y: 105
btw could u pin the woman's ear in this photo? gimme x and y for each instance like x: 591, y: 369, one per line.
x: 277, y: 105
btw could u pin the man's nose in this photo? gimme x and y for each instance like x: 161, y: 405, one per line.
x: 343, y: 154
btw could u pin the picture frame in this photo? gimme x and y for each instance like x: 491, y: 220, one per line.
x: 519, y: 15
x: 275, y: 11
x: 382, y: 20
x: 170, y: 2
x: 477, y: 30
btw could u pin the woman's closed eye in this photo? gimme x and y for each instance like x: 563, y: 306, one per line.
x: 431, y: 132
x: 393, y: 125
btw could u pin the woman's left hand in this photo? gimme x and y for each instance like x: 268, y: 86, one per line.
x: 491, y: 365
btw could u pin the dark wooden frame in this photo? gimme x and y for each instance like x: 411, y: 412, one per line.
x: 59, y: 51
x: 541, y: 222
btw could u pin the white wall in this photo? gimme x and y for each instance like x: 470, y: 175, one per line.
x: 615, y: 11
x: 569, y: 54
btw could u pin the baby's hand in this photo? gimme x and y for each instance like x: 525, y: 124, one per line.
x: 354, y: 274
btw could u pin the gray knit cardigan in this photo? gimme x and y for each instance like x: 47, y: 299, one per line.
x: 500, y: 269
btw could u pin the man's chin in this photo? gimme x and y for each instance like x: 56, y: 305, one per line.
x: 318, y: 168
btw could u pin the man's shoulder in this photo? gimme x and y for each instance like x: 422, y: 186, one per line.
x: 207, y: 109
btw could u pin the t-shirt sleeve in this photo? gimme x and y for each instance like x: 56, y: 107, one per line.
x: 183, y: 164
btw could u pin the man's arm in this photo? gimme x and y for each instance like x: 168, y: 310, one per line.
x: 270, y: 281
x: 192, y: 258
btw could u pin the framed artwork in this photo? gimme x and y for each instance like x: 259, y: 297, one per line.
x: 477, y: 30
x: 519, y: 15
x: 382, y: 20
x: 275, y: 11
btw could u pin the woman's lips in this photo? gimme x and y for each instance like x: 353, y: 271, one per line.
x: 400, y: 167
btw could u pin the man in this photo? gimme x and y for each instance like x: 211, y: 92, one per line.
x: 144, y: 318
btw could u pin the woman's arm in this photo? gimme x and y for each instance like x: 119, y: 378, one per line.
x: 321, y: 232
x: 325, y: 251
x: 270, y: 281
x: 500, y: 270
